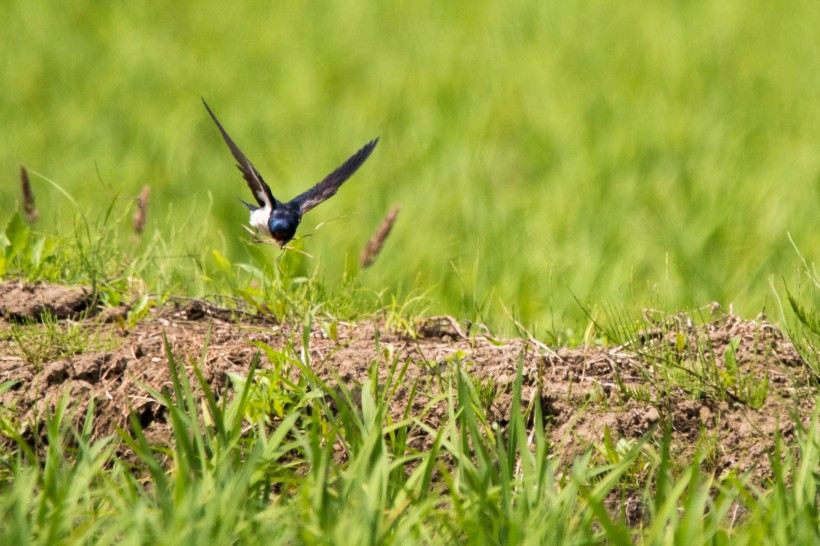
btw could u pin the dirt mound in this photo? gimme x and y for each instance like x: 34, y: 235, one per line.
x: 729, y: 385
x: 20, y: 301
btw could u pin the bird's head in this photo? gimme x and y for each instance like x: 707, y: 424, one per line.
x: 282, y: 224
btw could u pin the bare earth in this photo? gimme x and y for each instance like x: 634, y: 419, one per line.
x: 582, y: 389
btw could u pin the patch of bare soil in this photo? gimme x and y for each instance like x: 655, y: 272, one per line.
x: 20, y: 301
x: 583, y: 391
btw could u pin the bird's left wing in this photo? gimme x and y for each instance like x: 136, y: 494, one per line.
x: 331, y: 183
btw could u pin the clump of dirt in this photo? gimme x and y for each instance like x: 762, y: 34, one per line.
x: 583, y: 391
x: 20, y: 301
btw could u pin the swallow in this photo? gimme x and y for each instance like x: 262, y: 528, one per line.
x: 279, y: 219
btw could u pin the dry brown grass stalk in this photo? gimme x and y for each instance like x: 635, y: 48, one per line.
x: 375, y: 244
x: 141, y: 214
x: 28, y: 197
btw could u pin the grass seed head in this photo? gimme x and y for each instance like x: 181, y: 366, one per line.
x: 141, y: 213
x: 375, y: 244
x: 28, y: 197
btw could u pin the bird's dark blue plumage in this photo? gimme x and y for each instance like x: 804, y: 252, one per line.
x: 280, y: 219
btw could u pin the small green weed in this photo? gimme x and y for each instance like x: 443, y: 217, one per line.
x: 682, y: 354
x: 50, y: 339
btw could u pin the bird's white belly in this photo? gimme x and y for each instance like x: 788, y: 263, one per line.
x: 259, y: 219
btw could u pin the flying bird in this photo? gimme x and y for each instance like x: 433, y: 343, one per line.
x: 279, y: 219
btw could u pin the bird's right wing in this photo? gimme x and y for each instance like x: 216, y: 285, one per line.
x: 258, y: 187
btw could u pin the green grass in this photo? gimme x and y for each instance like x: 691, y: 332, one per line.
x: 537, y: 149
x: 677, y: 353
x: 258, y: 465
x: 235, y: 475
x: 48, y: 339
x: 658, y: 155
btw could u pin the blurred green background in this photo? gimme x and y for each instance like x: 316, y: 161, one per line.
x: 626, y: 152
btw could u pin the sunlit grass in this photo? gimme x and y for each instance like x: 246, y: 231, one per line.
x: 260, y: 464
x: 537, y: 149
x: 547, y: 157
x: 240, y: 472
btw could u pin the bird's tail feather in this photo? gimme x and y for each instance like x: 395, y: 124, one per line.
x: 250, y: 207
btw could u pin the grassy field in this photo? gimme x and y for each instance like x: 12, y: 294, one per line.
x: 559, y: 166
x: 653, y: 154
x: 290, y: 454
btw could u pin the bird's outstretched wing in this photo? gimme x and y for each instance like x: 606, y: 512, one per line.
x: 328, y: 187
x: 258, y: 187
